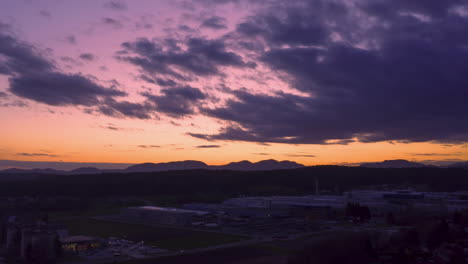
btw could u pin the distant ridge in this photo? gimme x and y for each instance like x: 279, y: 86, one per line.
x: 398, y: 163
x: 271, y: 164
x: 175, y: 165
x: 459, y: 165
x: 245, y: 165
x: 168, y: 166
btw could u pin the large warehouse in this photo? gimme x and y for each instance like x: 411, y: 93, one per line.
x: 164, y: 215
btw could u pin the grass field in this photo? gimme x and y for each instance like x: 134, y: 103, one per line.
x: 226, y: 255
x: 167, y: 238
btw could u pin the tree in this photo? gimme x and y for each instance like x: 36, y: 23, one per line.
x: 58, y: 247
x: 438, y: 234
x: 347, y: 248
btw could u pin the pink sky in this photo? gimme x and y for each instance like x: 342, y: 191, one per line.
x: 62, y: 31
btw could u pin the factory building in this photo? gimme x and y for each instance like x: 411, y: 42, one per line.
x: 311, y: 207
x: 77, y: 244
x: 165, y: 215
x: 33, y: 240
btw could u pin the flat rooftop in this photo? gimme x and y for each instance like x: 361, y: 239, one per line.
x: 78, y: 239
x: 169, y: 209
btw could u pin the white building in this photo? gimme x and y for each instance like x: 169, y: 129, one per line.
x: 163, y: 215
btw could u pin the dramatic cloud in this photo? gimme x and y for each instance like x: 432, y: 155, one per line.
x: 34, y: 77
x: 60, y: 89
x: 201, y: 57
x: 176, y: 101
x: 122, y: 109
x: 369, y: 70
x: 297, y: 28
x: 215, y: 22
x: 18, y: 57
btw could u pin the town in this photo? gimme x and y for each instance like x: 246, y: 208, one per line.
x: 406, y: 226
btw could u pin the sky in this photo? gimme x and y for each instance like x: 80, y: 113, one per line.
x: 313, y: 81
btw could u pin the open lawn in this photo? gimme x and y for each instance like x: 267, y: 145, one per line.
x: 163, y: 237
x: 226, y: 255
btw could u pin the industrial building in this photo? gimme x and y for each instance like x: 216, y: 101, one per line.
x: 164, y: 215
x: 275, y: 206
x: 77, y: 244
x: 29, y: 239
x: 323, y: 206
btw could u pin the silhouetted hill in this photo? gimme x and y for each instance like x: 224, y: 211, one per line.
x: 209, y: 183
x: 85, y: 170
x: 459, y: 165
x: 37, y: 171
x: 266, y: 165
x: 176, y: 165
x: 169, y: 166
x: 399, y: 163
x: 241, y: 165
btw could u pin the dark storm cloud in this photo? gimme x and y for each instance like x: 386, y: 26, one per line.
x: 163, y: 82
x: 3, y: 95
x: 20, y: 57
x: 158, y: 81
x: 368, y: 78
x: 208, y: 146
x: 87, y: 56
x: 432, y: 8
x: 60, y: 89
x: 116, y: 5
x: 34, y: 77
x: 202, y: 57
x: 215, y: 22
x: 298, y: 28
x: 122, y: 109
x: 176, y: 101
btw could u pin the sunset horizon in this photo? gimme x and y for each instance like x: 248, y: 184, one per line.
x: 146, y: 81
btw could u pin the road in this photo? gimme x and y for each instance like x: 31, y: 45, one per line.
x: 253, y: 241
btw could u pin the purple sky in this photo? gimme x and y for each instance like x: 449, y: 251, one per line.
x: 315, y: 81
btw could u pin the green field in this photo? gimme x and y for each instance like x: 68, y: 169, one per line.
x: 167, y: 238
x: 225, y: 255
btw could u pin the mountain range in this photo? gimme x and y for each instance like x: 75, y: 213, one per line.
x: 399, y: 163
x: 264, y: 165
x: 167, y: 166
